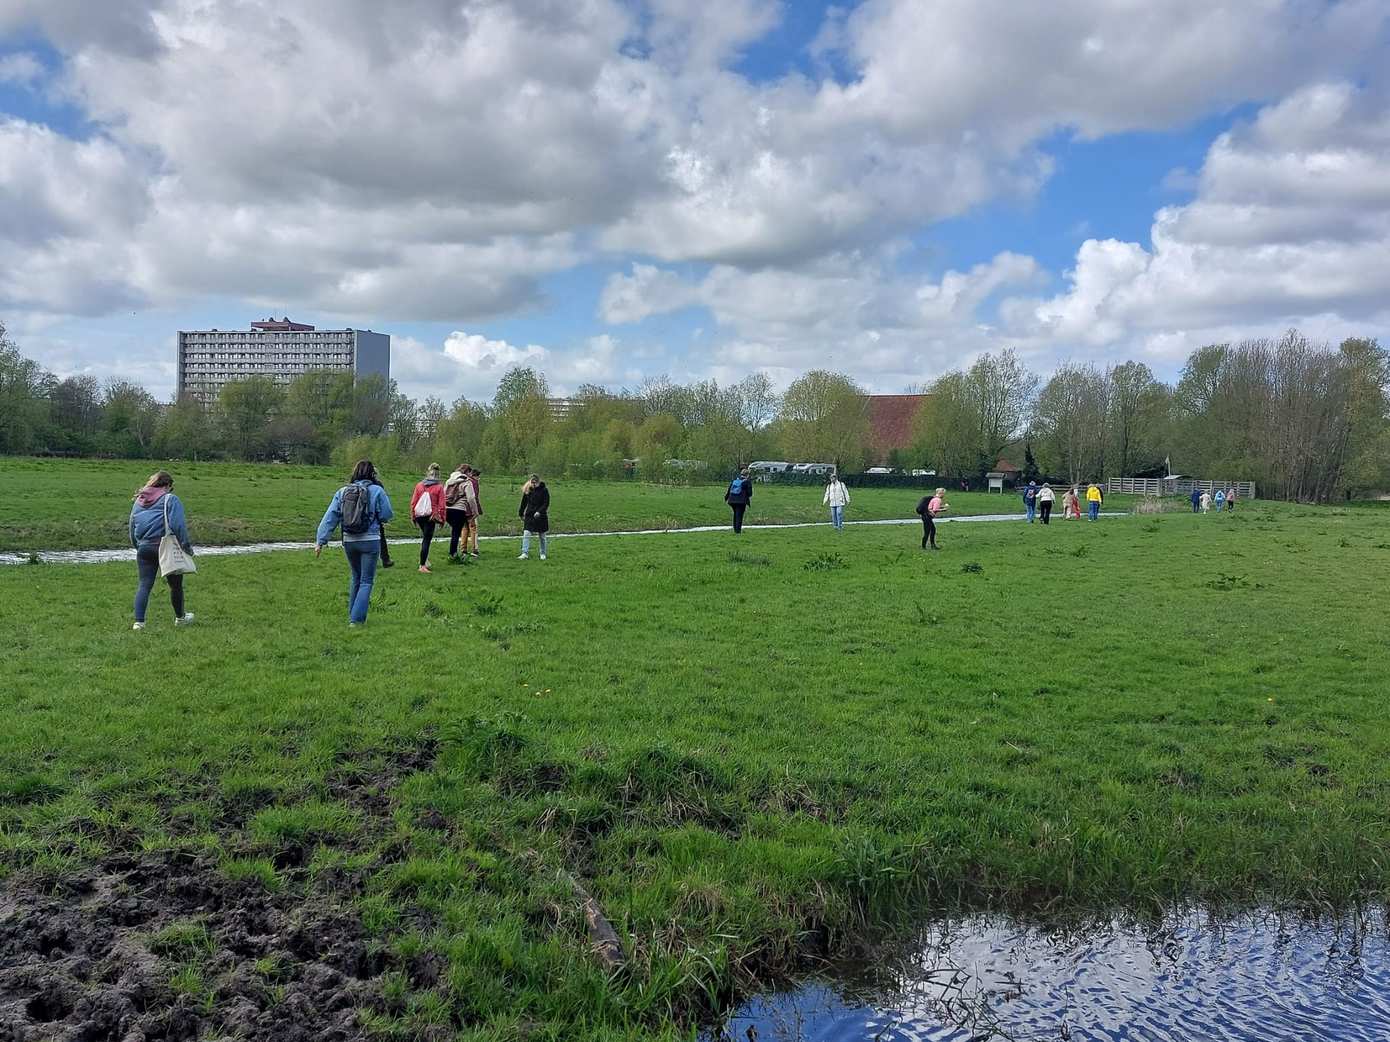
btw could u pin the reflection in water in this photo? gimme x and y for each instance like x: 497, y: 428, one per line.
x: 1254, y: 978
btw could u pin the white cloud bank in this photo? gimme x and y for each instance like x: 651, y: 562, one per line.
x: 428, y: 160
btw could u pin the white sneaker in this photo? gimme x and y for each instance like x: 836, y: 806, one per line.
x: 187, y: 619
x: 522, y: 557
x: 138, y: 626
x: 542, y: 557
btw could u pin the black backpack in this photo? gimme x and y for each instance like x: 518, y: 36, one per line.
x: 357, y: 509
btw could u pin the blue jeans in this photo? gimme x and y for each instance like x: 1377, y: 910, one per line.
x: 1032, y: 507
x: 147, y: 561
x: 1094, y: 508
x: 362, y: 557
x: 526, y: 541
x: 837, y: 517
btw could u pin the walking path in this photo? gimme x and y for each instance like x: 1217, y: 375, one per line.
x: 128, y: 554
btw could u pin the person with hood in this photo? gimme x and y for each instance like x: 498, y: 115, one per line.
x: 427, y: 510
x: 929, y: 508
x: 1231, y: 498
x: 535, y: 515
x: 1030, y: 500
x: 1196, y: 499
x: 1219, y: 500
x: 738, y: 497
x: 836, y: 498
x: 456, y: 507
x: 1045, y: 500
x: 473, y: 495
x: 155, y: 513
x: 1093, y: 500
x: 360, y: 507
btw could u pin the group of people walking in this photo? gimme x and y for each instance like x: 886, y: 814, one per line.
x: 1203, y: 500
x: 1039, y: 499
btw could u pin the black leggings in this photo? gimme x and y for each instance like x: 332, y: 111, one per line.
x: 426, y: 537
x: 147, y: 561
x: 738, y: 509
x: 928, y: 531
x: 385, y: 550
x: 1045, y: 508
x: 458, y: 519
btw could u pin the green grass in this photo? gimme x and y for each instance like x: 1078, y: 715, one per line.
x: 85, y: 504
x: 752, y: 751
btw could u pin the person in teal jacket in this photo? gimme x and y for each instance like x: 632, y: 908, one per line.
x: 154, y: 504
x: 360, y: 508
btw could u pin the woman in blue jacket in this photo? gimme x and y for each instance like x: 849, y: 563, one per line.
x: 360, y: 508
x: 153, y: 504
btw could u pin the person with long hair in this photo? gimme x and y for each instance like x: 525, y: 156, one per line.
x: 739, y: 495
x: 930, y: 507
x: 427, y: 510
x: 155, y: 512
x: 456, y: 491
x: 360, y: 507
x: 535, y: 515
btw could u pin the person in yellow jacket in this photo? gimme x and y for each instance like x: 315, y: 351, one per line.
x: 1093, y: 500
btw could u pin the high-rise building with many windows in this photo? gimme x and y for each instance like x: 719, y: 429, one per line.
x: 279, y: 349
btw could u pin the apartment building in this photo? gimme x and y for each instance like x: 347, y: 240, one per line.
x: 279, y: 349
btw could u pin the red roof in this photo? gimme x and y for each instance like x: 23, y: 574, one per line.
x: 1003, y: 466
x: 891, y: 418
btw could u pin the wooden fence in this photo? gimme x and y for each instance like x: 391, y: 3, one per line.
x: 1176, y: 486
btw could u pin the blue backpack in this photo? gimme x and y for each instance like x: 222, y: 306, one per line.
x: 736, y: 488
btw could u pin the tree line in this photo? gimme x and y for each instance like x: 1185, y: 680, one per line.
x: 1304, y: 421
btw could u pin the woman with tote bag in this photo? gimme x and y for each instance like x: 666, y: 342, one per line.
x: 159, y: 533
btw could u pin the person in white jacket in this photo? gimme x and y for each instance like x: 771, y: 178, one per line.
x: 836, y: 498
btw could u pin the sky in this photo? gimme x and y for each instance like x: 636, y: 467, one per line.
x: 611, y: 190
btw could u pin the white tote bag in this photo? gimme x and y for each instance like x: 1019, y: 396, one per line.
x: 173, y: 560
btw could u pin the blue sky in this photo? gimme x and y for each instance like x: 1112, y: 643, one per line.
x: 662, y: 187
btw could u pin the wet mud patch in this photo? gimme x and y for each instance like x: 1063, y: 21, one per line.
x: 149, y: 946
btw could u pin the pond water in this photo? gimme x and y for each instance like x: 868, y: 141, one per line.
x: 1254, y: 978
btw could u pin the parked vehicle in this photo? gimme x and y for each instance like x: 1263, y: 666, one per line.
x: 920, y: 473
x: 769, y: 466
x: 879, y: 470
x: 813, y: 468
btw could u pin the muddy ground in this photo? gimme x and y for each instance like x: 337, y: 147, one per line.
x: 81, y: 960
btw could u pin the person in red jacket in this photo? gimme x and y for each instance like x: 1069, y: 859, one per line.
x: 427, y: 511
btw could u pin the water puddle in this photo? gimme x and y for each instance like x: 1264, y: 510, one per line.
x: 127, y: 554
x: 1255, y: 978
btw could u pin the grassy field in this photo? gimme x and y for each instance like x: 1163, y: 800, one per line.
x: 85, y: 504
x: 753, y: 753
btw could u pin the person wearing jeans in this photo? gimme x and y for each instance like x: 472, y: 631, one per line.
x: 361, y: 536
x: 534, y: 514
x: 157, y: 510
x: 1030, y: 500
x: 1093, y: 500
x: 836, y: 498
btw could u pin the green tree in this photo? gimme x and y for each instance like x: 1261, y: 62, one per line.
x: 946, y: 429
x: 245, y: 408
x: 24, y: 390
x: 184, y: 431
x: 131, y: 416
x: 825, y: 419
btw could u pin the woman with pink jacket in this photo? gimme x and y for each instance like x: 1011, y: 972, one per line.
x: 427, y: 510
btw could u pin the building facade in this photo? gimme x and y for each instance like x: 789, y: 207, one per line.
x: 278, y: 349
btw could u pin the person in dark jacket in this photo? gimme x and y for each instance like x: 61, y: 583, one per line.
x: 535, y: 515
x: 1196, y: 498
x: 738, y: 497
x: 155, y: 507
x: 386, y: 561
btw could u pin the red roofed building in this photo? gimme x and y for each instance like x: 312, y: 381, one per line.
x: 891, y: 419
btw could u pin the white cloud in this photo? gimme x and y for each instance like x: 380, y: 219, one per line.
x: 20, y: 68
x: 441, y: 159
x: 1290, y: 225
